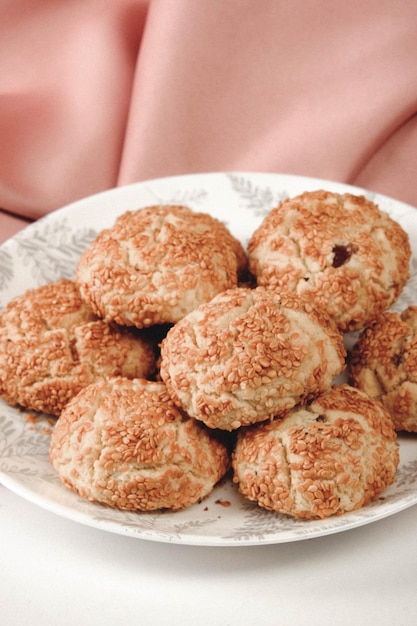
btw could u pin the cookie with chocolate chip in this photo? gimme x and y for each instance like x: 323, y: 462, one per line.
x: 340, y: 250
x: 384, y: 364
x: 332, y: 456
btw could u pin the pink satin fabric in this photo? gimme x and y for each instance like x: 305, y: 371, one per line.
x: 100, y: 93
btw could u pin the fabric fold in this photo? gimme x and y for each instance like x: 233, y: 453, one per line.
x: 95, y: 94
x: 65, y: 80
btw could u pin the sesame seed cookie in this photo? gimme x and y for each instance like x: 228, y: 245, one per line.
x: 248, y: 355
x: 340, y: 250
x: 384, y: 365
x: 333, y: 456
x: 52, y: 345
x: 123, y: 443
x: 156, y: 264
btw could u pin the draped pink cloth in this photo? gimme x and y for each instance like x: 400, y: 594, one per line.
x: 100, y: 93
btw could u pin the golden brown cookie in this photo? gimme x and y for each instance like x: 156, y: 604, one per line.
x: 52, y: 345
x: 123, y: 443
x: 384, y: 365
x: 330, y: 457
x: 157, y: 264
x: 248, y: 355
x: 340, y: 250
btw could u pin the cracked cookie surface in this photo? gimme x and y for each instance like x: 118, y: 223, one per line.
x: 384, y: 365
x: 340, y: 250
x: 52, y: 346
x: 330, y: 457
x: 156, y: 264
x: 248, y: 355
x: 123, y: 443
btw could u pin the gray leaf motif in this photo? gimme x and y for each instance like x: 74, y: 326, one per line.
x: 258, y: 522
x: 407, y: 475
x: 6, y: 268
x: 187, y: 197
x: 53, y: 250
x: 190, y: 196
x: 258, y: 199
x: 20, y: 439
x: 136, y: 520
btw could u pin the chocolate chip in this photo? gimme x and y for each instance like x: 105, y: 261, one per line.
x: 342, y: 254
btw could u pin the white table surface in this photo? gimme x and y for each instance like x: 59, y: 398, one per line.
x: 56, y: 572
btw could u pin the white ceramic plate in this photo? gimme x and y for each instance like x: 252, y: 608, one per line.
x: 50, y: 248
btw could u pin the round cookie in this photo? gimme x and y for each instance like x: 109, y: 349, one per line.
x: 123, y: 443
x: 340, y: 250
x: 52, y: 345
x: 330, y: 457
x: 384, y: 365
x: 158, y: 263
x: 248, y: 355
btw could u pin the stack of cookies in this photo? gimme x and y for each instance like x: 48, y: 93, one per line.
x: 175, y: 354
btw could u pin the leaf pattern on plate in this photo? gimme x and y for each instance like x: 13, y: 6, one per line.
x: 258, y: 199
x: 6, y: 268
x: 179, y: 196
x: 20, y: 438
x: 407, y: 473
x: 53, y: 250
